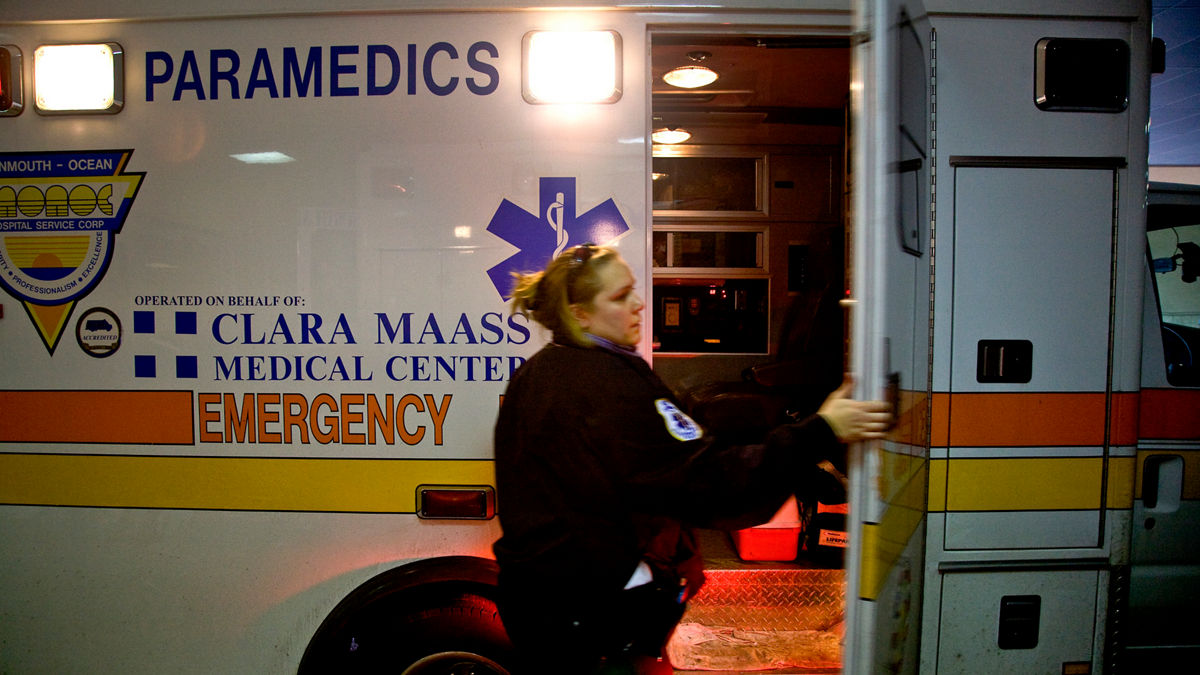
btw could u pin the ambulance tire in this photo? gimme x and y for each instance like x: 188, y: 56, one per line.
x: 459, y: 636
x: 433, y: 616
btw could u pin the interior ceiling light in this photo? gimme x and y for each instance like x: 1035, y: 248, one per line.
x: 670, y: 135
x: 692, y: 75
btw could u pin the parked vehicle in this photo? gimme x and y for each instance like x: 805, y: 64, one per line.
x: 255, y: 264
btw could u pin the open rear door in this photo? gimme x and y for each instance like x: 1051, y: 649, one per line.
x: 891, y: 235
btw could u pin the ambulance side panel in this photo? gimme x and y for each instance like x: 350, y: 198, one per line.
x: 220, y: 400
x: 1038, y: 250
x: 301, y: 344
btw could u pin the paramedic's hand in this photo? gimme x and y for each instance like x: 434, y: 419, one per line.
x: 853, y: 420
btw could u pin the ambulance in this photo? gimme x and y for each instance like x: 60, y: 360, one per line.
x: 255, y: 262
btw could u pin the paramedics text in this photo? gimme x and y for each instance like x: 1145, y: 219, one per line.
x: 440, y: 68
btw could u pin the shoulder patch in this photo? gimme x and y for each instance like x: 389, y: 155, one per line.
x: 680, y: 426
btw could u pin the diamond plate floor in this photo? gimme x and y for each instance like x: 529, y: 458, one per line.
x: 760, y: 617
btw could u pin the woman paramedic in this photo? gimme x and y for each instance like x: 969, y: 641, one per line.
x: 601, y: 477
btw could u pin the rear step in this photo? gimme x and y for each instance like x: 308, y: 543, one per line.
x: 771, y: 617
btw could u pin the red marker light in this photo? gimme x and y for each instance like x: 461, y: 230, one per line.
x: 5, y: 65
x: 468, y: 502
x: 10, y: 81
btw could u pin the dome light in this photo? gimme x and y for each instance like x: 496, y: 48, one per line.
x: 670, y: 135
x: 690, y: 77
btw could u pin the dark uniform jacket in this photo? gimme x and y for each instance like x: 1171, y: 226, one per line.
x: 597, y: 469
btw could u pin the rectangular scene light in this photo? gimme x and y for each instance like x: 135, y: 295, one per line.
x: 78, y: 78
x: 571, y: 66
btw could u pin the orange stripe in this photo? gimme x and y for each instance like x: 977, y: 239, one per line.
x: 1037, y: 419
x: 911, y: 422
x: 1032, y: 419
x: 1125, y: 418
x: 1170, y: 414
x: 940, y: 431
x: 96, y: 417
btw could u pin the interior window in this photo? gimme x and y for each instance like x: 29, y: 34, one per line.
x: 1175, y: 256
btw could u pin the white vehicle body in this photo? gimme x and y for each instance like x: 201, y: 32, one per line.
x: 222, y: 400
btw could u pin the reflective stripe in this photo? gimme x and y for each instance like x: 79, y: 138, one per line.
x: 1024, y: 484
x: 1029, y: 419
x: 229, y: 483
x: 1170, y: 414
x: 884, y: 542
x: 133, y: 417
x: 1029, y: 483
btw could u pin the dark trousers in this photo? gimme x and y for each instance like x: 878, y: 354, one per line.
x: 621, y: 634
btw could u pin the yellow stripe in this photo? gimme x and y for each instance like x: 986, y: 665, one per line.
x: 896, y: 471
x: 1029, y: 483
x: 937, y: 484
x: 1024, y: 484
x: 872, y: 572
x: 229, y: 483
x: 1120, y: 482
x: 884, y: 542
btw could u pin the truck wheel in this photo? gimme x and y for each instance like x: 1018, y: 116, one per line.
x: 430, y: 617
x: 455, y: 663
x: 462, y: 635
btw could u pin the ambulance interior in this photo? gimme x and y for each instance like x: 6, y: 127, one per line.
x: 749, y: 235
x: 749, y: 225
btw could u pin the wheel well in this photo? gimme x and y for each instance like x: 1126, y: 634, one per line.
x: 399, y: 592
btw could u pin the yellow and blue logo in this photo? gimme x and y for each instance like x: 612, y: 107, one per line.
x: 59, y: 216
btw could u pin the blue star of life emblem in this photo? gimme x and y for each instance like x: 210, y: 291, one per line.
x: 553, y: 228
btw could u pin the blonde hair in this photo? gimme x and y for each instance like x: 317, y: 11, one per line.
x: 573, y: 277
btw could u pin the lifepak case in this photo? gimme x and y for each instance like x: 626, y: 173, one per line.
x: 825, y: 537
